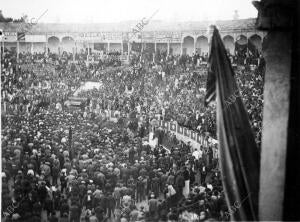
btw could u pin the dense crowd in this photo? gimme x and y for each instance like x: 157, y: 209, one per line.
x: 66, y: 164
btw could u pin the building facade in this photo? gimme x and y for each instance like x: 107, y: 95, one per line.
x: 184, y: 38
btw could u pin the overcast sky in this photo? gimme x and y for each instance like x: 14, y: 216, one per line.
x: 121, y: 10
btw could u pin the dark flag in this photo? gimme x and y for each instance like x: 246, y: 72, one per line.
x: 21, y: 36
x: 239, y: 155
x: 137, y: 47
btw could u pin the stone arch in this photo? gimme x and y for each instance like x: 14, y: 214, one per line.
x: 229, y: 43
x: 53, y: 44
x: 67, y: 39
x: 256, y: 41
x: 241, y: 40
x: 53, y: 40
x: 188, y: 45
x: 202, y: 44
x: 67, y: 44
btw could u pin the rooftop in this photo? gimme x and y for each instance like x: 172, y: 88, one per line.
x: 154, y: 25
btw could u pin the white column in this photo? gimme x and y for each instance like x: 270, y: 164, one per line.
x: 4, y: 104
x: 122, y: 50
x: 74, y: 52
x: 46, y: 47
x: 108, y: 47
x: 168, y: 48
x: 2, y: 46
x: 129, y: 48
x: 88, y: 49
x: 31, y: 48
x: 275, y: 125
x: 18, y: 49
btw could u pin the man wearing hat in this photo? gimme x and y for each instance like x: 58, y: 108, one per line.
x: 155, y: 185
x: 82, y: 189
x: 153, y: 206
x: 88, y: 200
x: 55, y: 170
x: 75, y: 211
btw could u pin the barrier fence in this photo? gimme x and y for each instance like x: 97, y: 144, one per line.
x: 196, y: 139
x: 186, y: 135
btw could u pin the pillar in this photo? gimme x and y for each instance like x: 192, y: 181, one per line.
x: 88, y: 49
x: 74, y: 50
x: 181, y: 48
x: 155, y: 47
x: 168, y: 48
x: 276, y: 111
x: 129, y: 49
x: 92, y: 46
x: 122, y: 48
x: 195, y: 41
x: 31, y: 48
x: 46, y: 47
x: 291, y: 203
x: 234, y: 40
x: 18, y: 49
x: 3, y: 46
x: 108, y: 47
x: 275, y: 123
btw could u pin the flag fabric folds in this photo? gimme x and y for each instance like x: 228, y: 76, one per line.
x: 21, y: 36
x: 137, y: 47
x: 239, y: 155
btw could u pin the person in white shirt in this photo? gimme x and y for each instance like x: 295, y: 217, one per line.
x: 163, y: 112
x: 163, y: 74
x: 85, y: 114
x: 176, y: 83
x: 197, y: 154
x: 138, y: 108
x: 58, y: 106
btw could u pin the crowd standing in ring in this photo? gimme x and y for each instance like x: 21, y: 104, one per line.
x: 72, y: 164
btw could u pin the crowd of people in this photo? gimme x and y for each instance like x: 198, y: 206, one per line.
x: 61, y: 163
